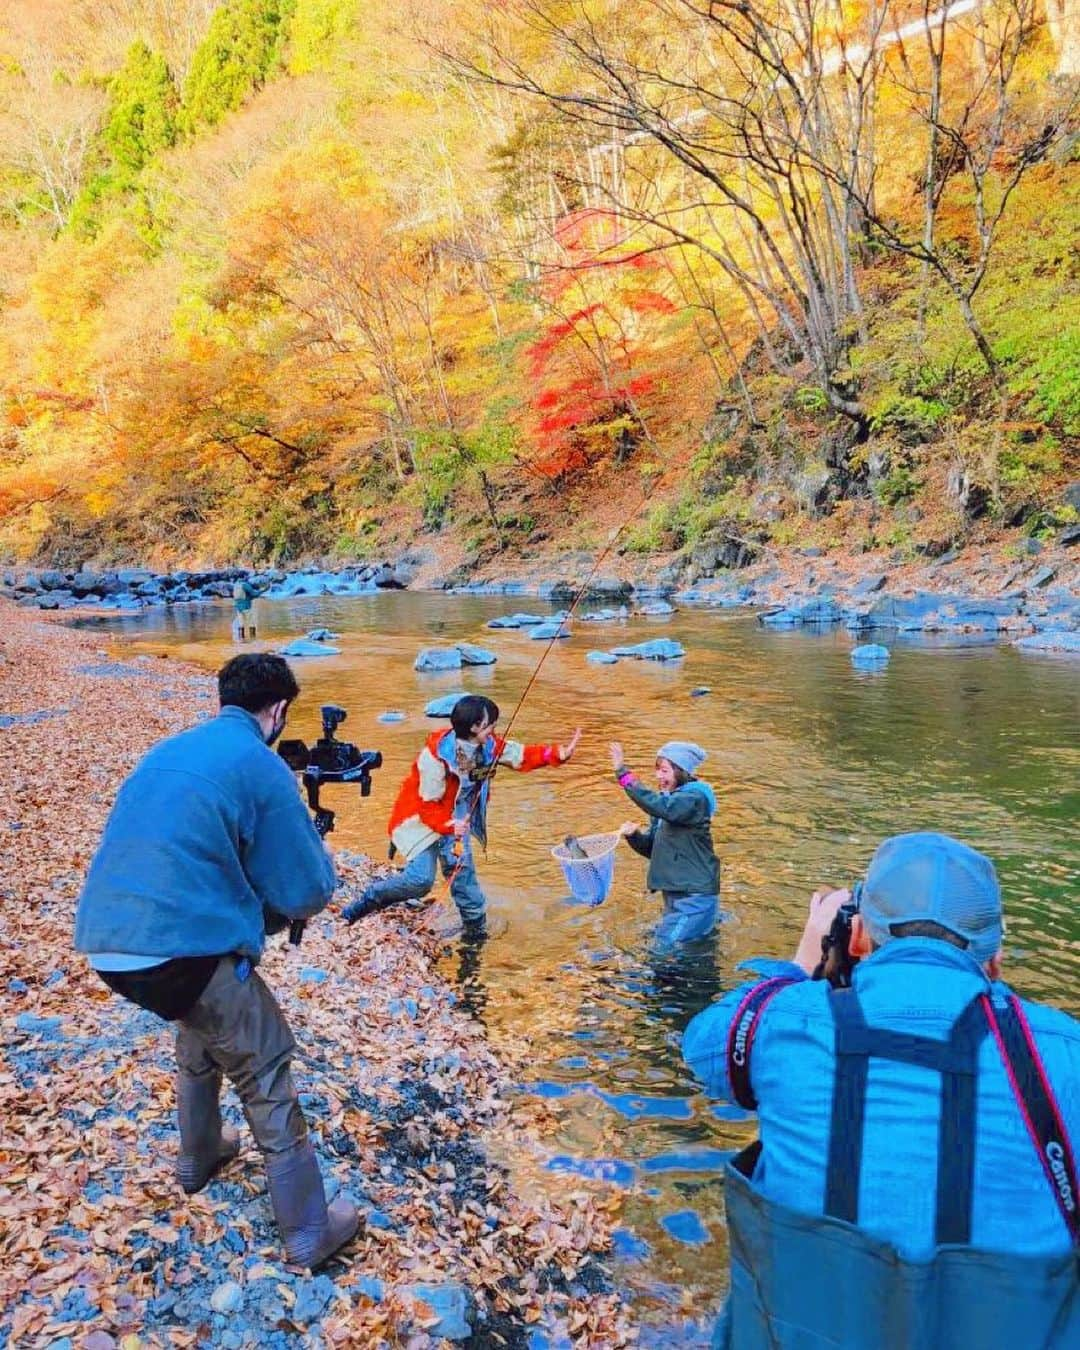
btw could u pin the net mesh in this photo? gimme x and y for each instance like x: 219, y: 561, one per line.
x: 589, y: 878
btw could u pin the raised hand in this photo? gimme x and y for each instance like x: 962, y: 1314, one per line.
x: 567, y: 750
x: 618, y: 759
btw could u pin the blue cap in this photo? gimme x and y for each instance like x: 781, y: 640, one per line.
x: 934, y: 877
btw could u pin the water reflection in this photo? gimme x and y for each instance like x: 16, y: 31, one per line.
x: 813, y: 764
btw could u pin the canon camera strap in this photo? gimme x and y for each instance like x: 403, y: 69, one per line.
x: 1038, y: 1106
x: 744, y: 1027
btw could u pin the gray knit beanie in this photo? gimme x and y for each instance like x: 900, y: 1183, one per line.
x: 684, y: 755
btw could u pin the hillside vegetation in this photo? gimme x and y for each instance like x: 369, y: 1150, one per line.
x: 287, y: 279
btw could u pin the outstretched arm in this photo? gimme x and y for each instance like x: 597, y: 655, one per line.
x: 525, y: 758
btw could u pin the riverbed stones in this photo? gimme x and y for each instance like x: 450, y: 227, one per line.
x: 1051, y: 640
x: 443, y: 706
x: 547, y: 632
x: 227, y: 1297
x: 601, y: 658
x: 451, y: 1304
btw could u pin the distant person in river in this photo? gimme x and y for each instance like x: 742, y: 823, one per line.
x: 207, y: 849
x: 442, y: 806
x: 677, y: 841
x: 245, y: 593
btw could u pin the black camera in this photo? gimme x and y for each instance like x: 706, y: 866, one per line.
x: 327, y: 761
x: 836, y: 962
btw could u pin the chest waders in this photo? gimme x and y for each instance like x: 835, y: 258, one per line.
x: 807, y: 1282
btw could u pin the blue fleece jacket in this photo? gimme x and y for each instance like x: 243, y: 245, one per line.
x: 208, y: 829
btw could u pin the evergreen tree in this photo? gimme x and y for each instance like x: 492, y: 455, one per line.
x: 242, y: 44
x: 141, y: 118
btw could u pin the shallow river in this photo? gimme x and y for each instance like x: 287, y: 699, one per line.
x: 813, y: 764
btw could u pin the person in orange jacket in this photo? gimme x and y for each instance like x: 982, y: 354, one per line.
x: 442, y: 805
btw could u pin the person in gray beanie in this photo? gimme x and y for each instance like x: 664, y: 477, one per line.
x: 677, y: 841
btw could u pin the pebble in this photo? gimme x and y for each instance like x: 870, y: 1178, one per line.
x: 18, y: 987
x: 313, y: 975
x: 451, y: 1304
x: 227, y: 1297
x: 314, y: 1298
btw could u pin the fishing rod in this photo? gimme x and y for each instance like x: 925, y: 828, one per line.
x: 583, y: 590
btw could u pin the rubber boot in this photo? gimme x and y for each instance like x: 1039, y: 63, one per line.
x: 313, y: 1231
x: 367, y: 905
x: 205, y: 1146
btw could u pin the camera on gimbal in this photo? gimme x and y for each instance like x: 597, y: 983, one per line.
x: 327, y: 761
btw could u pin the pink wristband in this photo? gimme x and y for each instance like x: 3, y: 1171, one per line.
x: 627, y: 777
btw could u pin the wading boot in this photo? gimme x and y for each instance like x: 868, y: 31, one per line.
x: 365, y: 905
x: 313, y: 1231
x: 205, y: 1145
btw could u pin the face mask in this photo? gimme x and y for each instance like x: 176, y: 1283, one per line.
x: 279, y: 727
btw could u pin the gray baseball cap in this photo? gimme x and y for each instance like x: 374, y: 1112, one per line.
x: 934, y: 877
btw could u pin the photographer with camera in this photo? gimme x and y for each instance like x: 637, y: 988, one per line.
x: 914, y: 1186
x: 207, y: 846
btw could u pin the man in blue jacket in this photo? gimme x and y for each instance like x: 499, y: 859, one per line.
x: 207, y: 843
x: 914, y: 1185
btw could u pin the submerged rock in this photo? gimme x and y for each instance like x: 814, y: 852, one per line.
x: 659, y: 649
x: 322, y: 635
x: 305, y: 647
x: 438, y: 658
x: 1051, y: 640
x: 443, y: 706
x: 601, y: 659
x: 393, y: 715
x: 548, y: 632
x: 656, y: 607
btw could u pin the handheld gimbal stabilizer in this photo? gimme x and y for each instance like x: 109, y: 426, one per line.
x: 328, y: 761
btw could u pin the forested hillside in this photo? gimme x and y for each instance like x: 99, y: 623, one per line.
x: 286, y: 279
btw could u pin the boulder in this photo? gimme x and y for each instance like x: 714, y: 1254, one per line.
x: 304, y: 647
x: 51, y: 580
x: 322, y: 635
x: 135, y: 576
x: 605, y: 615
x: 85, y: 583
x: 475, y: 656
x: 601, y: 659
x: 869, y: 585
x: 656, y: 607
x: 505, y: 621
x: 438, y: 658
x: 780, y: 618
x: 1043, y: 577
x: 869, y: 654
x: 547, y: 632
x: 443, y: 706
x: 659, y: 649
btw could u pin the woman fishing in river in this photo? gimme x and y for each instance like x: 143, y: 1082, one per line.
x: 683, y: 865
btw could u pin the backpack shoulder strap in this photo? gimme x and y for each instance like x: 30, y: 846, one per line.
x: 1038, y: 1105
x: 744, y: 1027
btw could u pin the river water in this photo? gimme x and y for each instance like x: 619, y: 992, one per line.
x: 813, y: 764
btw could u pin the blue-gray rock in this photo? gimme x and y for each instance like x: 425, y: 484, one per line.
x: 700, y: 691
x: 375, y: 1218
x: 659, y: 649
x: 656, y: 607
x: 304, y: 647
x: 451, y: 1304
x: 506, y: 621
x: 780, y: 618
x: 605, y: 615
x: 371, y: 1288
x: 869, y: 585
x: 315, y: 1296
x: 546, y: 632
x: 522, y: 620
x: 134, y: 576
x: 823, y: 609
x: 313, y: 975
x: 227, y: 1297
x: 601, y: 659
x: 869, y: 654
x: 16, y: 986
x: 1043, y: 577
x: 443, y: 706
x: 1052, y: 640
x: 322, y: 635
x: 438, y: 658
x: 475, y: 656
x: 1069, y: 536
x: 391, y: 716
x: 49, y: 1027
